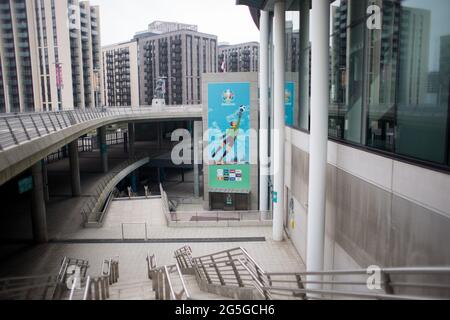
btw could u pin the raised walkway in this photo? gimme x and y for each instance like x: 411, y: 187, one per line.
x: 29, y: 137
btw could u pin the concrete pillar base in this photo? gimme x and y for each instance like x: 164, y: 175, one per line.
x: 74, y: 169
x: 38, y: 210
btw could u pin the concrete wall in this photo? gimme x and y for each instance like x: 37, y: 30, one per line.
x: 252, y: 78
x: 379, y: 211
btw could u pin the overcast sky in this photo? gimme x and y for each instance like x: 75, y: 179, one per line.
x: 121, y: 19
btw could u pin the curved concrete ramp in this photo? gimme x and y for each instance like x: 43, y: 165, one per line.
x: 94, y: 218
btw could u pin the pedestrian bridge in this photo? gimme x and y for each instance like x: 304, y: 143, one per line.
x: 26, y: 138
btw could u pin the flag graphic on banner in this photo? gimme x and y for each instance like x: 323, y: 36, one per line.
x: 59, y: 78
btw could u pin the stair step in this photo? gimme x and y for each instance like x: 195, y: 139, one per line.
x: 196, y: 293
x: 132, y: 290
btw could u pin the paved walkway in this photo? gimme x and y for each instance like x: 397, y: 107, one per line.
x: 64, y: 222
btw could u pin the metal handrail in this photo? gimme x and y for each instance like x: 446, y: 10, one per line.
x: 90, y: 210
x: 97, y: 288
x: 151, y: 264
x: 45, y: 123
x: 162, y: 282
x: 184, y: 257
x: 25, y: 286
x: 235, y: 267
x: 60, y: 286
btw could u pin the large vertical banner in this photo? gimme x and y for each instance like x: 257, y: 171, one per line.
x: 229, y: 135
x: 59, y: 76
x: 289, y: 100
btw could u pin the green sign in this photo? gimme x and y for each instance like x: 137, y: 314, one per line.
x: 275, y: 197
x: 25, y: 185
x: 289, y: 100
x: 229, y: 177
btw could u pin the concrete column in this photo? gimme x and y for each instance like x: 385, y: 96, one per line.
x: 160, y: 134
x: 45, y: 181
x: 125, y: 142
x: 74, y: 168
x: 279, y: 121
x: 134, y: 179
x: 320, y: 26
x: 131, y: 138
x: 38, y: 211
x: 101, y: 132
x: 264, y: 169
x: 198, y: 139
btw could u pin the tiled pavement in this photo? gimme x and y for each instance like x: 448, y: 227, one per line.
x: 64, y: 222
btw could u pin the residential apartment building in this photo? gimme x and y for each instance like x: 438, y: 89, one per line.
x: 120, y: 74
x: 180, y: 57
x: 241, y: 57
x: 49, y: 55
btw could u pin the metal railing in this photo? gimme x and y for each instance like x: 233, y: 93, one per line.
x: 28, y: 288
x: 236, y: 268
x: 217, y: 216
x: 19, y: 128
x: 70, y: 267
x: 169, y: 284
x: 167, y: 281
x: 94, y: 208
x: 184, y: 257
x: 151, y: 264
x: 97, y: 288
x: 144, y: 224
x: 87, y: 144
x: 180, y: 217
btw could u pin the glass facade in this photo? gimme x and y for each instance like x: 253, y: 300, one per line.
x: 389, y: 74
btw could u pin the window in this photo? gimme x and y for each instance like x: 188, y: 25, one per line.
x: 389, y: 87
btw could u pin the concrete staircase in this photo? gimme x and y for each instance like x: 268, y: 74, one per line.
x: 195, y: 291
x: 143, y: 290
x: 132, y: 290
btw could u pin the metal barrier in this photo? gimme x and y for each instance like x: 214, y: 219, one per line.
x: 236, y: 268
x: 87, y: 144
x: 186, y: 217
x: 95, y: 207
x: 217, y: 216
x: 151, y: 264
x: 135, y: 223
x: 28, y: 288
x: 184, y: 257
x: 74, y: 268
x: 97, y: 288
x: 167, y: 281
x: 163, y: 283
x: 24, y: 127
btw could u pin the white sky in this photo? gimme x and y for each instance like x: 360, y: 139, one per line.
x: 121, y: 19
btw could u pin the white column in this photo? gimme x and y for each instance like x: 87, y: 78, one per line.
x: 279, y: 122
x: 198, y: 134
x: 320, y: 27
x: 304, y: 63
x: 264, y: 169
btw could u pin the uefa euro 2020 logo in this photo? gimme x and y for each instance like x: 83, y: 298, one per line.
x: 287, y: 96
x: 228, y: 97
